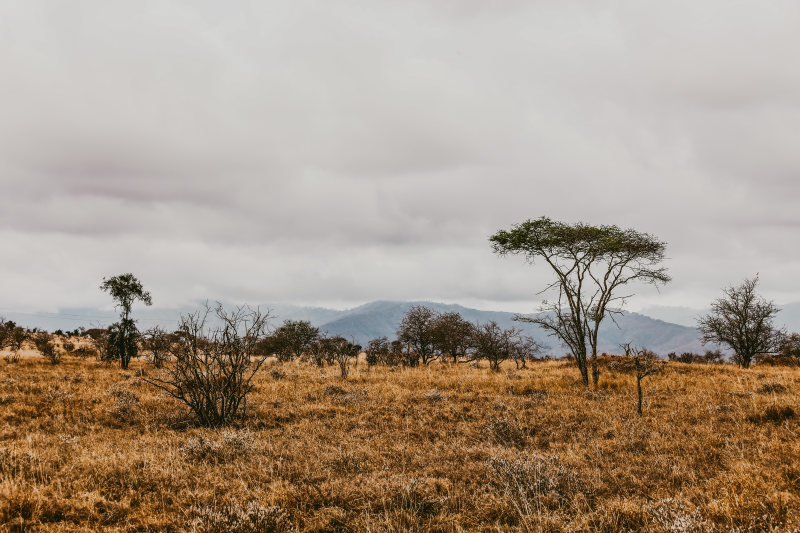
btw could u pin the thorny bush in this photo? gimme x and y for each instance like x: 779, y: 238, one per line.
x: 213, y: 365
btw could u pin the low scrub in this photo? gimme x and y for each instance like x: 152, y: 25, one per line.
x: 441, y: 447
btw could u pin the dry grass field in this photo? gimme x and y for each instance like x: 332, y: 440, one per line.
x: 84, y: 447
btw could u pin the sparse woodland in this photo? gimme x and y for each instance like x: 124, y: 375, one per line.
x: 227, y: 424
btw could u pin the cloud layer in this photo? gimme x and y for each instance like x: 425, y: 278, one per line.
x: 337, y: 153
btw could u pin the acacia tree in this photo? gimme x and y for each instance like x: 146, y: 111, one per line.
x: 125, y: 289
x: 416, y: 331
x: 590, y: 264
x: 743, y: 320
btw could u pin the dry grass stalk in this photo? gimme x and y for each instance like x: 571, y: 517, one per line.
x: 84, y: 448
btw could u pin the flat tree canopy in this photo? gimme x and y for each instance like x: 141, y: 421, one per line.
x: 589, y: 263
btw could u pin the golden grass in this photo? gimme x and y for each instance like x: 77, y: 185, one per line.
x: 85, y: 447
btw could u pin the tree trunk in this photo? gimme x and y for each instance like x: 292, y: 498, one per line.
x: 584, y: 371
x: 639, y: 391
x: 595, y: 370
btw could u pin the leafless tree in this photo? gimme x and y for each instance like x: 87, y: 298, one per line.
x: 525, y: 349
x: 642, y: 363
x: 495, y: 344
x: 213, y: 365
x: 158, y: 342
x: 743, y: 320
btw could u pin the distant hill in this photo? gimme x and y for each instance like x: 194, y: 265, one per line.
x: 788, y: 316
x: 382, y: 318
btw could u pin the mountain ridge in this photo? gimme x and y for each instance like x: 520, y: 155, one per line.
x: 380, y: 318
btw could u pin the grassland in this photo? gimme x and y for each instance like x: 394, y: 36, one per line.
x: 84, y: 447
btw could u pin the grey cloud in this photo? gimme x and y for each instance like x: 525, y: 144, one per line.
x: 340, y: 153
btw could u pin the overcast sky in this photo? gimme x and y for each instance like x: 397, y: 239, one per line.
x: 333, y: 153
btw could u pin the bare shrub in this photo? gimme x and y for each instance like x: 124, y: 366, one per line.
x: 232, y: 445
x: 774, y: 414
x: 124, y: 402
x: 642, y: 363
x: 505, y: 432
x: 84, y: 352
x: 772, y: 388
x: 237, y: 518
x: 435, y: 395
x: 214, y: 366
x: 158, y: 342
x: 535, y: 484
x: 347, y: 462
x: 674, y: 515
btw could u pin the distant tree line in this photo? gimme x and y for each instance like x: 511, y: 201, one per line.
x: 210, y: 363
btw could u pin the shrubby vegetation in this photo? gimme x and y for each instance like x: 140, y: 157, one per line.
x: 434, y: 445
x: 711, y: 356
x: 214, y: 362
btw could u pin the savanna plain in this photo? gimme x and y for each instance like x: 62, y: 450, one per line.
x: 443, y: 447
